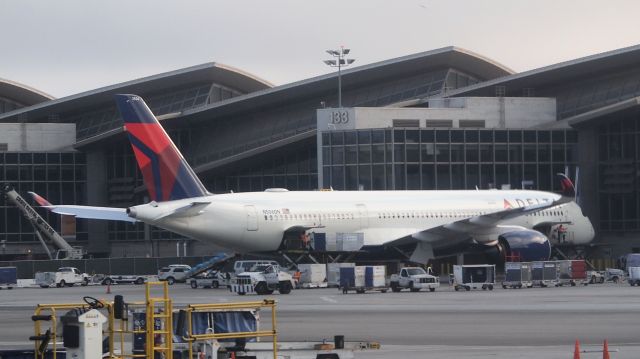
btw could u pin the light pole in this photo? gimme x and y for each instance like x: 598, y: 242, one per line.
x: 339, y: 62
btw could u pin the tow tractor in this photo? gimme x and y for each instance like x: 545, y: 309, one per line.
x: 153, y: 328
x: 263, y: 279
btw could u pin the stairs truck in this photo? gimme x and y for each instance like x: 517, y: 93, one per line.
x: 42, y: 229
x: 414, y: 279
x: 263, y: 280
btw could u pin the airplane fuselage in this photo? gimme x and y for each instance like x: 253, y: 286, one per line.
x: 257, y: 221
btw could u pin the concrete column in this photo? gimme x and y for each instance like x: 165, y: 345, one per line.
x: 97, y: 195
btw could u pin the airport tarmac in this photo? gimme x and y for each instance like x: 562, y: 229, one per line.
x: 523, y: 323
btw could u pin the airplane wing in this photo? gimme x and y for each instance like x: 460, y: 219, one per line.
x: 463, y: 226
x: 471, y: 224
x: 459, y: 231
x: 106, y: 213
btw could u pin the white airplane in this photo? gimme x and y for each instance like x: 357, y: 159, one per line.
x: 506, y: 222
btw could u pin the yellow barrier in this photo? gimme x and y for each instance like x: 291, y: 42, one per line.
x: 256, y: 305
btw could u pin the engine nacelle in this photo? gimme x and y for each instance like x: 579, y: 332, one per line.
x: 526, y: 245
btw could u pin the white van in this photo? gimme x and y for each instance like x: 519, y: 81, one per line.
x: 244, y: 266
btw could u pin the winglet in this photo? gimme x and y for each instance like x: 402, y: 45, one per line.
x: 40, y: 200
x: 567, y: 188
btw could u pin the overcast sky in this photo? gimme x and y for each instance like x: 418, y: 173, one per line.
x: 64, y: 47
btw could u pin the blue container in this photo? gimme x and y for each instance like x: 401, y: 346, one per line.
x: 8, y: 276
x: 347, y: 277
x: 368, y: 277
x: 320, y: 242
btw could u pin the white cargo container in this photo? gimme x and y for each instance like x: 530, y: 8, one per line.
x: 634, y: 276
x: 331, y: 244
x: 363, y: 278
x: 312, y: 275
x: 349, y: 242
x: 477, y: 276
x: 333, y: 273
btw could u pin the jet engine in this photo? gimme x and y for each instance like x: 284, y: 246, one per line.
x: 522, y: 245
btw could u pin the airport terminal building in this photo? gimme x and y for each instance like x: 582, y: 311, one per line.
x: 441, y: 119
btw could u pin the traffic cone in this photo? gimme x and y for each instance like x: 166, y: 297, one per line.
x: 605, y: 350
x: 576, y: 351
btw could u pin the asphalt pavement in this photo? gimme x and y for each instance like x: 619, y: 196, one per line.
x: 524, y: 323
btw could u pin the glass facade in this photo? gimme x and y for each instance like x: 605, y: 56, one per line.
x: 598, y: 90
x: 240, y: 133
x: 92, y: 123
x: 60, y: 177
x: 428, y: 159
x: 296, y: 170
x: 7, y: 105
x: 619, y: 173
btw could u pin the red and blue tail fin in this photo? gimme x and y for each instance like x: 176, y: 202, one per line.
x: 166, y: 173
x: 567, y: 188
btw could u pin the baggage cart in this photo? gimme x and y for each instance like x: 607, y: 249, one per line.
x: 634, y: 276
x: 312, y: 275
x: 8, y: 277
x: 544, y: 274
x: 480, y: 276
x: 517, y: 275
x: 572, y: 272
x: 333, y: 273
x: 363, y: 278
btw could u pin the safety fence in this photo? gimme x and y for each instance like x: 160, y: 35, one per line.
x: 112, y: 266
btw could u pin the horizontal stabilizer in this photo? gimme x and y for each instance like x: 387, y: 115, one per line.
x: 193, y: 209
x: 105, y: 213
x: 89, y: 212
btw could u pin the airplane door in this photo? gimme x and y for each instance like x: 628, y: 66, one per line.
x: 364, y: 215
x: 252, y: 218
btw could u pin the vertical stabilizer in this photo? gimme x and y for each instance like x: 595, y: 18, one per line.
x: 166, y: 173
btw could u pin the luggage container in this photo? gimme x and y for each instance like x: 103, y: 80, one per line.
x: 517, y: 275
x: 572, y: 272
x: 634, y: 276
x: 333, y: 273
x: 349, y: 242
x: 363, y: 278
x: 544, y: 273
x: 312, y: 275
x: 480, y: 276
x: 8, y: 277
